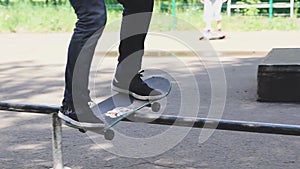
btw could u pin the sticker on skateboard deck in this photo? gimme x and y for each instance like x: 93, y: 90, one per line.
x: 117, y: 112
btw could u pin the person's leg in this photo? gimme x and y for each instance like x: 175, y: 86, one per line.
x: 219, y: 25
x: 91, y: 16
x: 217, y: 7
x: 208, y: 14
x: 207, y: 18
x: 135, y: 23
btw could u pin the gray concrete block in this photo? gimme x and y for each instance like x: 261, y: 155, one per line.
x: 278, y: 78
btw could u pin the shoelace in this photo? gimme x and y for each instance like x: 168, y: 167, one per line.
x: 139, y: 75
x: 67, y: 110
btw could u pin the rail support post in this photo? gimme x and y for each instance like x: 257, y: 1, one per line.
x: 56, y: 142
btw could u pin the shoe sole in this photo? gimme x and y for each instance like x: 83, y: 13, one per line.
x: 136, y: 96
x: 70, y: 121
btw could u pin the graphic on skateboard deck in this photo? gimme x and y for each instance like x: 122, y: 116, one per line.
x: 119, y: 106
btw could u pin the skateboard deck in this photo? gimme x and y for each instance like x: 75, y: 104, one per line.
x: 212, y: 37
x: 120, y: 106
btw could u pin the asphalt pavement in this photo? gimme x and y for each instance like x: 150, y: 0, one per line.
x: 210, y: 79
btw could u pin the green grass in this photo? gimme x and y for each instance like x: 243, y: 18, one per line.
x: 27, y: 18
x: 36, y: 19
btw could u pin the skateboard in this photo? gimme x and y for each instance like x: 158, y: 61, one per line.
x: 212, y: 37
x: 120, y: 106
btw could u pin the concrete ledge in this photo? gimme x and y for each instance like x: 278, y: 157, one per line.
x: 278, y: 78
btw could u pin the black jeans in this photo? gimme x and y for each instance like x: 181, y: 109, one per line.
x: 92, y: 17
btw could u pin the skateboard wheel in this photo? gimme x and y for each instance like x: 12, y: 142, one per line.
x: 82, y: 130
x: 109, y: 134
x: 155, y: 106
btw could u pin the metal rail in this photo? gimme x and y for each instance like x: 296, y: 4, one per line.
x: 244, y: 126
x: 231, y: 125
x: 29, y: 108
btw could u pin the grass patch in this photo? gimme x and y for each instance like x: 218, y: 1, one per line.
x: 28, y: 18
x: 36, y: 19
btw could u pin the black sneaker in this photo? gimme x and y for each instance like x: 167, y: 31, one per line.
x: 137, y: 88
x: 81, y: 116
